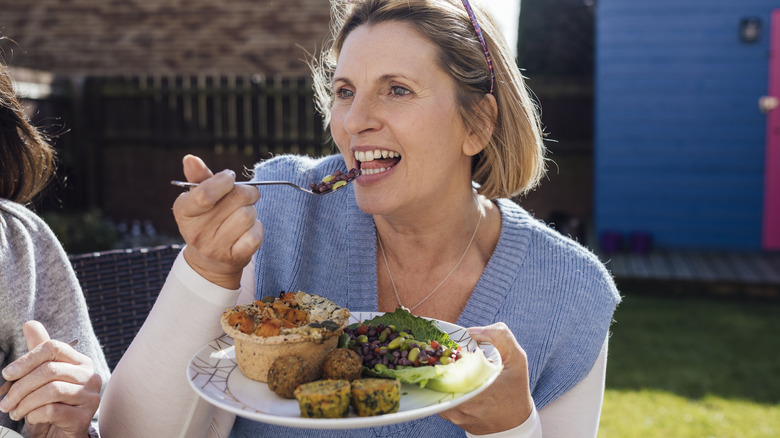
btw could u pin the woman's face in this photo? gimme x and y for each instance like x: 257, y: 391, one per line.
x: 395, y: 117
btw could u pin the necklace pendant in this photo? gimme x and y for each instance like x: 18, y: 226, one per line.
x: 402, y: 307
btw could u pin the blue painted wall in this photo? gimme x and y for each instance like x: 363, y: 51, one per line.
x: 679, y: 140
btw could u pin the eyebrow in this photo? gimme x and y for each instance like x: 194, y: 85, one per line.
x: 383, y: 78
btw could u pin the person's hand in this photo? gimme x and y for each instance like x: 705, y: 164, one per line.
x: 53, y: 387
x: 218, y: 221
x: 507, y: 403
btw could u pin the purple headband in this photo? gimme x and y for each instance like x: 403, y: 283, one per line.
x: 481, y: 40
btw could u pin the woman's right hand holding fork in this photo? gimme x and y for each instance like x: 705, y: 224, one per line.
x: 218, y: 221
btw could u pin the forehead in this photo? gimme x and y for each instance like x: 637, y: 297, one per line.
x: 387, y: 47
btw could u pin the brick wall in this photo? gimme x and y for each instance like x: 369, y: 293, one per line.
x: 112, y: 37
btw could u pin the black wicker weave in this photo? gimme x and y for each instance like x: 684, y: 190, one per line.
x: 120, y: 287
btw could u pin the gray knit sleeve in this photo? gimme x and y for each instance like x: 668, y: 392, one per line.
x: 38, y: 282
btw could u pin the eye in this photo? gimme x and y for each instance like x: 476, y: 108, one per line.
x: 398, y: 90
x: 343, y: 93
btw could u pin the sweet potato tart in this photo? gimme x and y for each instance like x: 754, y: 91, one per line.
x: 300, y: 323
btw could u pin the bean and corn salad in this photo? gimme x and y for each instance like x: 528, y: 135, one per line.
x: 384, y: 346
x: 335, y: 181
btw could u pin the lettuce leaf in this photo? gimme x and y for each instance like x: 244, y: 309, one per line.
x: 464, y: 375
x: 422, y: 329
x: 413, y: 375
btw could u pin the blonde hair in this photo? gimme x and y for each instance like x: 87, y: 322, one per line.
x: 512, y: 161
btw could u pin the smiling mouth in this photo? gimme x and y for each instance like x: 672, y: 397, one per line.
x: 376, y: 161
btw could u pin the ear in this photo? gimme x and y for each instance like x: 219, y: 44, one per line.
x: 480, y: 134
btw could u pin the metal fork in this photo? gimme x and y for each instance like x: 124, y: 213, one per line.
x: 270, y: 183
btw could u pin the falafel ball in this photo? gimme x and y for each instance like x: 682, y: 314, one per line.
x: 287, y: 372
x: 342, y: 364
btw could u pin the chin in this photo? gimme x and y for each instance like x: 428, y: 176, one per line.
x: 373, y: 204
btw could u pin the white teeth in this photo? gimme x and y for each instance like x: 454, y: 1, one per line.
x: 373, y: 171
x: 366, y: 156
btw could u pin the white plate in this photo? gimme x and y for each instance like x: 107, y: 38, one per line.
x: 214, y: 375
x: 8, y: 433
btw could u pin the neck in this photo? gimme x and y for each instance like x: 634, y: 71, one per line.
x: 428, y: 239
x: 434, y: 234
x: 409, y: 306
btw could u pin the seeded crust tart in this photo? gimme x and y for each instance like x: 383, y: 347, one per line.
x: 301, y: 324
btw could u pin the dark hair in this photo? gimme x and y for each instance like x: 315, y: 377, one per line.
x: 26, y: 158
x: 512, y: 161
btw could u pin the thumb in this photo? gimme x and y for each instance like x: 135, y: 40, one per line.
x: 502, y: 338
x: 195, y: 170
x: 34, y: 333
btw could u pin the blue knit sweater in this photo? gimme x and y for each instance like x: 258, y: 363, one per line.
x: 555, y: 296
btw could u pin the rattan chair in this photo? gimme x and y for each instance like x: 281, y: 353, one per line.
x: 120, y: 287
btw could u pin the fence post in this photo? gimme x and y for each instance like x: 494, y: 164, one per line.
x: 88, y: 113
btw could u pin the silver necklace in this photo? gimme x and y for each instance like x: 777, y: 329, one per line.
x: 430, y: 294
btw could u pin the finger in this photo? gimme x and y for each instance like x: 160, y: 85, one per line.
x: 456, y: 415
x: 233, y: 242
x: 48, y: 351
x: 250, y: 241
x: 205, y: 197
x: 239, y: 198
x: 195, y: 170
x: 44, y: 376
x: 220, y: 227
x: 85, y: 394
x: 72, y: 420
x: 236, y: 224
x: 502, y: 339
x: 34, y: 333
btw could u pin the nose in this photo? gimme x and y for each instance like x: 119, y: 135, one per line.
x: 362, y: 115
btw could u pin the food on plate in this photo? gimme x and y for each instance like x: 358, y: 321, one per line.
x: 324, y: 399
x: 467, y: 374
x: 416, y: 351
x: 342, y: 364
x: 332, y: 398
x: 334, y: 181
x: 375, y: 396
x: 292, y: 324
x: 288, y: 372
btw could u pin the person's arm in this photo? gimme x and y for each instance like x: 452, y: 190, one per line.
x: 530, y: 428
x: 37, y: 283
x: 575, y: 413
x: 148, y: 393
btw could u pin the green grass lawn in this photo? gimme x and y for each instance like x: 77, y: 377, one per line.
x: 693, y: 367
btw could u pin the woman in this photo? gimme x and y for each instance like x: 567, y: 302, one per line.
x: 417, y: 102
x: 50, y: 388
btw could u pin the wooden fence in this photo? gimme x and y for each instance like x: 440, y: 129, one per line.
x: 253, y: 115
x: 127, y: 135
